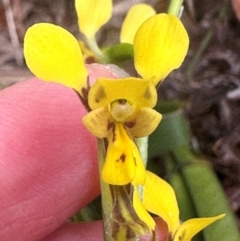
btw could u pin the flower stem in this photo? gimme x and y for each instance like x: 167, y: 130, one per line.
x: 175, y: 7
x: 107, y: 203
x: 142, y: 144
x: 204, y: 44
x: 92, y: 44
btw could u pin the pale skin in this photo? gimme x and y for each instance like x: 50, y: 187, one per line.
x: 48, y: 163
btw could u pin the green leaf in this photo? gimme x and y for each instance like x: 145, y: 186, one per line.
x: 119, y: 53
x: 208, y: 196
x: 172, y: 133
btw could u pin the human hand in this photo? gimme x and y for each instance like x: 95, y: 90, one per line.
x: 48, y: 160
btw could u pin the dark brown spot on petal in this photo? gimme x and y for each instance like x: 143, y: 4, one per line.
x: 110, y: 125
x: 130, y: 124
x: 181, y: 237
x: 135, y: 161
x: 100, y: 94
x: 147, y: 93
x: 114, y: 134
x: 123, y: 157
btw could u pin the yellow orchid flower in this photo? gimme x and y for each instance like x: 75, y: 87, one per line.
x: 53, y: 54
x: 122, y: 110
x: 159, y: 198
x: 136, y: 15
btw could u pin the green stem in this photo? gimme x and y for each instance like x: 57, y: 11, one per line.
x: 174, y: 7
x: 201, y: 49
x: 207, y: 195
x: 107, y: 203
x: 142, y: 144
x: 92, y: 44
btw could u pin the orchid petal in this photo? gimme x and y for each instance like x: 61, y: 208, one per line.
x: 53, y: 54
x: 135, y: 17
x: 136, y: 91
x: 160, y: 45
x: 96, y: 122
x: 92, y: 15
x: 141, y: 211
x: 143, y: 123
x: 159, y: 198
x: 192, y: 226
x: 123, y: 163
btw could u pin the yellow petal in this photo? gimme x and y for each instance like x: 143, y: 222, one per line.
x: 97, y: 122
x: 136, y: 91
x: 92, y: 14
x: 160, y: 45
x: 136, y: 15
x: 123, y: 162
x: 143, y: 123
x: 53, y: 54
x: 192, y: 226
x: 141, y: 211
x: 159, y: 198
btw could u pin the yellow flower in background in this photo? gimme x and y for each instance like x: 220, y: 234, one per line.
x: 159, y: 198
x: 136, y: 15
x: 92, y: 15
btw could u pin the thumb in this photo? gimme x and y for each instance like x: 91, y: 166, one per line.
x: 48, y: 160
